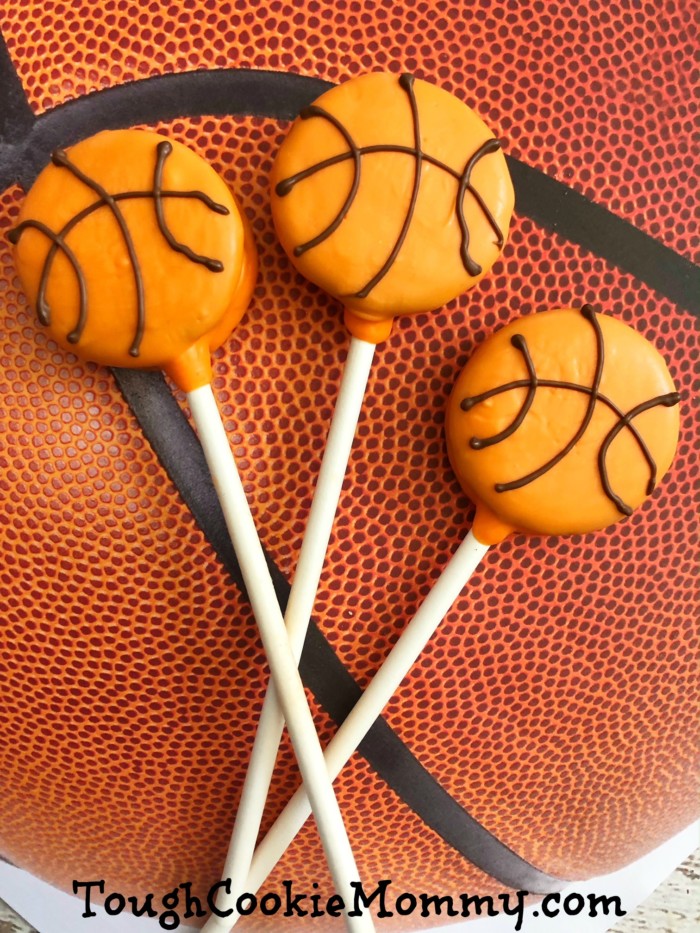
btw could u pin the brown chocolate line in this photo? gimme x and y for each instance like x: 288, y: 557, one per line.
x: 624, y: 420
x: 468, y: 404
x: 60, y: 158
x: 314, y: 111
x: 472, y: 267
x: 589, y: 314
x: 500, y: 238
x: 284, y: 187
x: 478, y: 443
x: 42, y: 309
x: 406, y: 82
x: 464, y: 184
x: 668, y: 401
x: 163, y: 150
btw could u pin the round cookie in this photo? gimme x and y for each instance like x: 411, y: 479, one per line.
x: 561, y: 423
x: 393, y: 196
x: 134, y: 253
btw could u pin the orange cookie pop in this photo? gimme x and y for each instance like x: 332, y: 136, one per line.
x: 134, y: 253
x: 393, y: 196
x: 563, y: 421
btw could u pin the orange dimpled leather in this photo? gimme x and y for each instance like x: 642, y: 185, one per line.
x: 392, y: 195
x: 562, y: 423
x: 134, y: 253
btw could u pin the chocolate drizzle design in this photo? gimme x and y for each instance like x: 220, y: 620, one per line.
x: 105, y: 199
x: 355, y: 153
x: 533, y: 382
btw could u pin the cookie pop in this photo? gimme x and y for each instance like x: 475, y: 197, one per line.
x: 134, y: 253
x: 562, y: 422
x: 394, y: 197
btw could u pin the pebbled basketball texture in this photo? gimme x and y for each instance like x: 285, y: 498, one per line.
x: 557, y: 703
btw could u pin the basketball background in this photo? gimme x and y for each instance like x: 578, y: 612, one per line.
x: 555, y: 711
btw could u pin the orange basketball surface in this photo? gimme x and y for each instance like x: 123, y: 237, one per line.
x: 557, y: 703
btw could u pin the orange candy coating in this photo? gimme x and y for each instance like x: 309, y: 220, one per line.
x: 145, y: 302
x: 571, y: 497
x: 429, y: 269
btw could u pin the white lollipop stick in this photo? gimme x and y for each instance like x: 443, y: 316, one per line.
x: 370, y: 705
x: 283, y: 664
x: 301, y: 600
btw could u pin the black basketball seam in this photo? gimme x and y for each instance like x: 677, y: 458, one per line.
x: 16, y: 116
